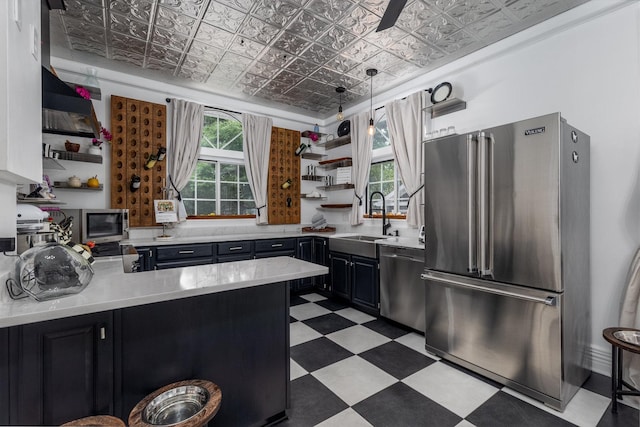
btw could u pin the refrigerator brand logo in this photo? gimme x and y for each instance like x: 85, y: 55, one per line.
x: 534, y: 131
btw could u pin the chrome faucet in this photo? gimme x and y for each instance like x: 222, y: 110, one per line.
x: 385, y: 224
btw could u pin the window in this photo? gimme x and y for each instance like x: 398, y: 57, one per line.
x: 219, y: 184
x: 384, y: 175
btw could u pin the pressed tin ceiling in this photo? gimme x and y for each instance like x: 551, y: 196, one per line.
x: 290, y: 54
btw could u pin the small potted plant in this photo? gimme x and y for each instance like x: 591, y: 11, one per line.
x: 97, y: 142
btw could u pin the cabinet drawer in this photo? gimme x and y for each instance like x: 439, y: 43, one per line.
x: 272, y: 254
x: 275, y: 245
x: 184, y: 251
x: 226, y: 248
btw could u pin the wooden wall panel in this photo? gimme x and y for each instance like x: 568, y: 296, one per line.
x: 284, y: 204
x: 139, y: 129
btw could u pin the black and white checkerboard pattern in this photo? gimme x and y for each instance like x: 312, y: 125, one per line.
x: 351, y: 369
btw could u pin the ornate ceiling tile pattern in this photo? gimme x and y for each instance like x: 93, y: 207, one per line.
x: 291, y: 52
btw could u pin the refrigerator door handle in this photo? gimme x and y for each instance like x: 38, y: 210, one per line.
x: 549, y: 300
x: 485, y: 195
x: 472, y: 162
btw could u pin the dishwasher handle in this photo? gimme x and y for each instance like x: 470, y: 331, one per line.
x: 550, y: 300
x: 409, y: 257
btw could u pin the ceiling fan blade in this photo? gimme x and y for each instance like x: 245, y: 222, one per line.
x: 391, y: 14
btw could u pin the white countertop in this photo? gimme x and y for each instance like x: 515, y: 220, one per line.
x: 111, y: 288
x: 180, y: 240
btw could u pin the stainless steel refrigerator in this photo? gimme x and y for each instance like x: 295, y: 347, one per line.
x: 507, y: 255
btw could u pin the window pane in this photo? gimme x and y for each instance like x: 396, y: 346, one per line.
x: 205, y: 171
x: 209, y: 132
x: 206, y: 207
x: 374, y: 173
x: 381, y: 137
x: 228, y: 173
x: 230, y: 135
x: 189, y: 190
x: 228, y: 207
x: 245, y: 192
x: 247, y: 208
x: 190, y: 206
x: 228, y: 191
x: 242, y: 174
x: 206, y: 190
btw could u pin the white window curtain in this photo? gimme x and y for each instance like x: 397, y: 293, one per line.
x: 256, y: 141
x: 361, y: 149
x: 187, y: 119
x: 630, y: 318
x: 405, y: 132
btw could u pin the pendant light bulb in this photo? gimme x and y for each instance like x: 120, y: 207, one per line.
x: 372, y: 127
x: 340, y: 115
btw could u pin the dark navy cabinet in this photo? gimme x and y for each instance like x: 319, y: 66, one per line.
x: 305, y: 253
x: 235, y: 251
x: 320, y: 253
x: 61, y: 370
x: 173, y: 256
x: 355, y: 279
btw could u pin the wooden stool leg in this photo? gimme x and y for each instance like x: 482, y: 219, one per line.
x: 614, y: 376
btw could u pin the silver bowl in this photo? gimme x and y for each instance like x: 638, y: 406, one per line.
x: 175, y: 405
x: 632, y: 337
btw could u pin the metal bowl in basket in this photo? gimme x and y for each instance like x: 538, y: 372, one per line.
x: 176, y: 405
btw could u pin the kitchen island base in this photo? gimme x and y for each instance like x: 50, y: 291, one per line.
x: 238, y: 339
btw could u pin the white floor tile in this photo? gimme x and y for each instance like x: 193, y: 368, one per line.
x: 354, y: 379
x: 307, y: 311
x: 299, y: 333
x: 348, y: 417
x: 453, y: 389
x: 465, y: 423
x: 357, y: 338
x: 584, y: 410
x: 295, y: 370
x: 313, y: 297
x: 355, y: 315
x: 416, y: 342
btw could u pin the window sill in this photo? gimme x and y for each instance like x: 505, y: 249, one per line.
x: 389, y: 216
x: 220, y: 216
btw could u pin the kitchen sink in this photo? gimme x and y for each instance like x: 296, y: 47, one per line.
x: 358, y: 244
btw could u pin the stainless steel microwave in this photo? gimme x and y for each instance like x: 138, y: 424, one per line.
x: 104, y: 225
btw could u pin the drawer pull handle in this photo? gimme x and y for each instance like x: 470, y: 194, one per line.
x: 276, y: 245
x: 103, y: 333
x: 185, y: 252
x: 235, y: 248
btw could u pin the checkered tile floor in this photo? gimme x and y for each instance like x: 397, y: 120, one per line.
x: 351, y: 369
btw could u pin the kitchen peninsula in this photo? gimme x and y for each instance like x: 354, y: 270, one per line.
x: 104, y: 349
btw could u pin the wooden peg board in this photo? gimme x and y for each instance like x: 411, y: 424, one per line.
x: 283, y: 165
x: 139, y: 129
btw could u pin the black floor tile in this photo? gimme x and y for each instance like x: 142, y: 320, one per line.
x: 292, y: 319
x: 598, y: 383
x: 311, y: 403
x: 329, y: 323
x: 296, y: 300
x: 504, y: 410
x: 399, y: 405
x: 387, y: 329
x: 332, y: 304
x: 626, y: 417
x: 318, y: 353
x: 397, y: 359
x: 473, y: 374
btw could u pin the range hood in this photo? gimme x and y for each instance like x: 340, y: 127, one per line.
x: 64, y: 112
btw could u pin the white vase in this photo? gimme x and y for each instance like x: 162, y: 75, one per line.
x: 95, y: 150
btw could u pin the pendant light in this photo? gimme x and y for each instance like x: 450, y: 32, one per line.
x: 372, y: 127
x: 340, y: 116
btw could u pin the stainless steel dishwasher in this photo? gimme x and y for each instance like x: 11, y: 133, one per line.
x: 401, y: 289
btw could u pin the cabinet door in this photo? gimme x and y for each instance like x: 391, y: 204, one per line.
x: 321, y: 257
x: 305, y: 253
x: 365, y: 282
x: 62, y: 369
x: 4, y: 376
x: 340, y: 270
x: 146, y: 258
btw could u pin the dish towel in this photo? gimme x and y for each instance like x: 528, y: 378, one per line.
x: 630, y: 318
